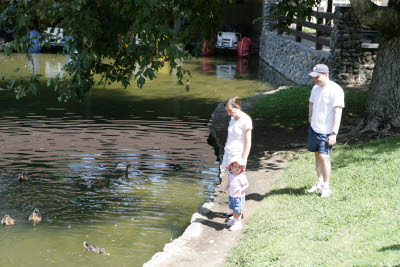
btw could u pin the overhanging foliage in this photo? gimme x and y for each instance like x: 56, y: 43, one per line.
x: 102, y: 38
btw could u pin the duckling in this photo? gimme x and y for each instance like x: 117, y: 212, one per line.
x: 23, y: 177
x: 127, y: 170
x: 116, y: 173
x: 122, y: 171
x: 7, y: 220
x: 94, y: 248
x: 35, y: 216
x: 100, y: 182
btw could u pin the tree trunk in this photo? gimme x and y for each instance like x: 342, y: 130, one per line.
x: 383, y: 103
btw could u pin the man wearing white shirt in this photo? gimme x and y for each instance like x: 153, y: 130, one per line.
x: 324, y: 114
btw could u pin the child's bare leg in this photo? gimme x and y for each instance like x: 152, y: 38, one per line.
x: 237, y: 216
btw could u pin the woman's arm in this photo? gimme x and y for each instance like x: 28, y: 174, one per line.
x: 247, y: 144
x: 227, y: 186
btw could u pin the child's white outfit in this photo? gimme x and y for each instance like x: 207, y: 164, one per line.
x: 236, y: 200
x: 236, y: 181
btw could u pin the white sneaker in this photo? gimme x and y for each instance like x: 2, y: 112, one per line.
x: 317, y: 186
x: 326, y: 192
x: 236, y: 226
x: 231, y: 222
x: 230, y: 218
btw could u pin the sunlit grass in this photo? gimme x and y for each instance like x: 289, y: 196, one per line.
x: 357, y: 226
x: 288, y: 108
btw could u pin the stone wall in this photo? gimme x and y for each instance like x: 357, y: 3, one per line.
x: 273, y: 78
x: 293, y: 60
x: 350, y: 61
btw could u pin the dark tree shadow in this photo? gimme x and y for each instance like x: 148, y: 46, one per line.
x: 283, y: 191
x: 393, y: 247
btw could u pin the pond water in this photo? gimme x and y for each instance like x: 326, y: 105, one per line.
x: 76, y: 155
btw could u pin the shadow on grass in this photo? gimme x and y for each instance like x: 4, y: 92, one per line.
x: 283, y: 191
x: 393, y: 247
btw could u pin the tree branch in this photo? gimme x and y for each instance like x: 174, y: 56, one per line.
x: 385, y: 19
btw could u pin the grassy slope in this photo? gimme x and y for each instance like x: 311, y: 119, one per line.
x: 288, y: 108
x: 357, y: 226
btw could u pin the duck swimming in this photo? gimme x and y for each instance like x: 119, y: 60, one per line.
x: 94, y: 248
x: 35, y: 216
x: 23, y: 177
x: 7, y: 220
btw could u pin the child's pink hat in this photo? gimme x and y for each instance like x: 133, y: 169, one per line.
x: 239, y: 161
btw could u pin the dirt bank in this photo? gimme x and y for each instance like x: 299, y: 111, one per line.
x: 207, y: 241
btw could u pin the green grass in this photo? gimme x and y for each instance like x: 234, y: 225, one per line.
x: 357, y: 226
x: 288, y: 108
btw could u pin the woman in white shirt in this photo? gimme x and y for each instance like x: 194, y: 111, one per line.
x: 238, y: 142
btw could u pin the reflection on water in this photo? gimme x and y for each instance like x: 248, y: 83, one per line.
x: 76, y: 155
x: 226, y: 70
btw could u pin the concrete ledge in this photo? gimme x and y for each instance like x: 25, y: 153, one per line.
x: 342, y: 5
x: 370, y: 45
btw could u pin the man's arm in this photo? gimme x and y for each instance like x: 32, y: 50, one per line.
x: 337, y: 116
x: 310, y: 107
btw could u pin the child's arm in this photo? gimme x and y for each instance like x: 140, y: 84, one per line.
x: 244, y: 187
x: 245, y: 184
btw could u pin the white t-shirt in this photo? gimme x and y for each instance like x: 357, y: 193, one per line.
x: 234, y: 145
x: 324, y: 99
x: 236, y: 181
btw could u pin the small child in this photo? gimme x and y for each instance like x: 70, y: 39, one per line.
x: 237, y: 184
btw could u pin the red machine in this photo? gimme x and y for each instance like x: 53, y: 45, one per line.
x: 244, y: 47
x: 207, y: 48
x: 242, y: 66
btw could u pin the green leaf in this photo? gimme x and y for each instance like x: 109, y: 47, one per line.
x: 37, y: 76
x: 33, y: 88
x: 11, y: 84
x: 140, y: 82
x: 101, y: 83
x: 149, y: 73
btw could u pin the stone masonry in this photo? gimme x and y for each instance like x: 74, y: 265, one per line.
x: 350, y: 60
